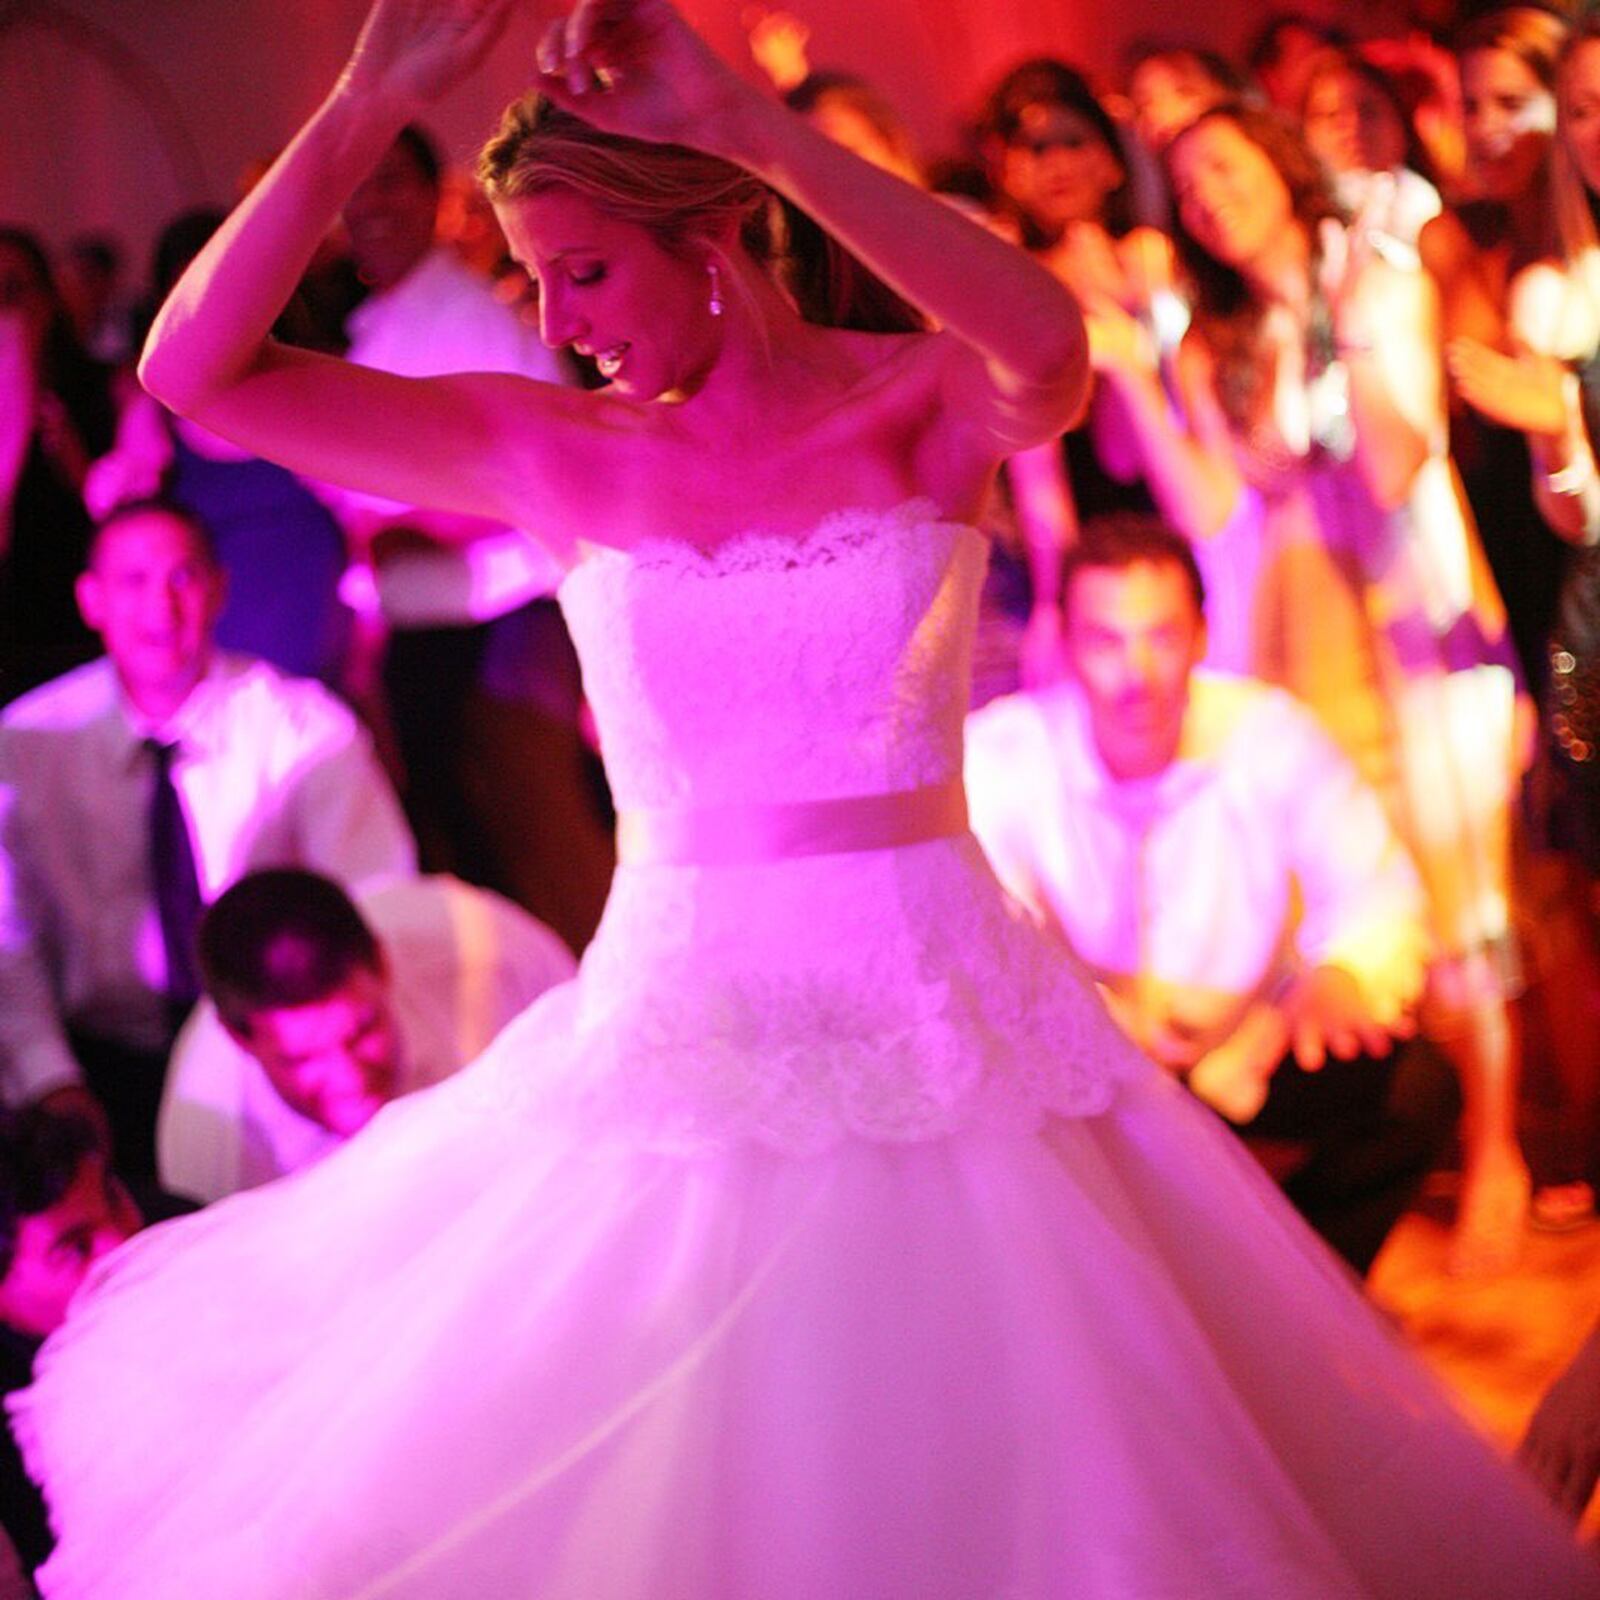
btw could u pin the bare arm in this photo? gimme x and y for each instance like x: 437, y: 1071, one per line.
x: 1018, y: 354
x: 463, y: 444
x: 1555, y: 320
x: 1188, y: 461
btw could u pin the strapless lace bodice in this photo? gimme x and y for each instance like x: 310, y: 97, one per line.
x: 882, y: 993
x: 780, y: 668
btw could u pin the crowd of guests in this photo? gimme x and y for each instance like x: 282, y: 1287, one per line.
x: 1286, y: 708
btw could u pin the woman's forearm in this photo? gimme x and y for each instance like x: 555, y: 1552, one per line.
x: 1390, y: 450
x: 986, y: 292
x: 216, y: 322
x: 1195, y: 487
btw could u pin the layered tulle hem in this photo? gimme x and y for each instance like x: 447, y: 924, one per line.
x: 1101, y: 1362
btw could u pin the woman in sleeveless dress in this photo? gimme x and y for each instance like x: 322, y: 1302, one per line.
x: 823, y: 1237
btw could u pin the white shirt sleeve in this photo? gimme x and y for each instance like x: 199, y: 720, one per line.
x: 34, y: 1056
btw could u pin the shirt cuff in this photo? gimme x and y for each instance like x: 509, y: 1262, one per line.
x: 38, y: 1069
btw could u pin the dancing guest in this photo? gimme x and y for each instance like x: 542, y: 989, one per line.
x: 1357, y: 128
x: 1235, y: 888
x: 321, y: 1009
x: 133, y: 790
x: 1505, y: 222
x: 824, y: 1237
x: 1310, y: 467
x: 1499, y: 259
x: 1550, y: 388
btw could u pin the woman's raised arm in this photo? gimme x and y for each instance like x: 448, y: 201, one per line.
x: 635, y: 67
x: 459, y: 443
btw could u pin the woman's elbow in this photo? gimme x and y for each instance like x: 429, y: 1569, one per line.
x: 161, y: 375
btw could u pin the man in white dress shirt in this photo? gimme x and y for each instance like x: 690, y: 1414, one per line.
x: 321, y: 1008
x: 481, y: 678
x: 258, y: 768
x: 1200, y: 842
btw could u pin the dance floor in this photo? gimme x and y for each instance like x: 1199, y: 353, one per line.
x: 1496, y: 1342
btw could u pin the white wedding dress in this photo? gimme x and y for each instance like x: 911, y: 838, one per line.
x: 821, y: 1241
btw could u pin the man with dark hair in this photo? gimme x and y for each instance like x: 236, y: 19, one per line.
x: 319, y: 1013
x: 1205, y: 848
x: 132, y: 791
x: 61, y: 1210
x: 480, y: 676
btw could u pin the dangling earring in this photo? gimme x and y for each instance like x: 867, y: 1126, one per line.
x: 714, y: 304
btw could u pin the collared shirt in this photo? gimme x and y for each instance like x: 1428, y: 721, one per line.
x: 461, y: 964
x: 270, y: 771
x: 441, y: 318
x: 1197, y: 891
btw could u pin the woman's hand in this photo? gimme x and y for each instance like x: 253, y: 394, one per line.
x: 411, y: 51
x: 1521, y: 391
x: 636, y: 67
x: 1119, y: 344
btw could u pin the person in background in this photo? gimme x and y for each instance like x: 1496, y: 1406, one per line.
x: 61, y: 1210
x: 321, y: 1008
x: 1206, y: 849
x: 1357, y: 128
x: 280, y: 547
x: 133, y: 790
x: 1168, y: 85
x: 1309, y: 464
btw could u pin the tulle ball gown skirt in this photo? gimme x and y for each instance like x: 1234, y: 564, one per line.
x: 1096, y: 1359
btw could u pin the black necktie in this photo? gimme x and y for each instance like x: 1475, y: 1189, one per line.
x: 177, y: 884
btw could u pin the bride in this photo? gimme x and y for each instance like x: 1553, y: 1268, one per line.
x: 822, y: 1238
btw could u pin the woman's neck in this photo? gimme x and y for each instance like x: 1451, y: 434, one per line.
x: 770, y: 361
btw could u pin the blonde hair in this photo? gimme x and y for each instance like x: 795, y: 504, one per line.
x: 689, y: 201
x: 678, y: 194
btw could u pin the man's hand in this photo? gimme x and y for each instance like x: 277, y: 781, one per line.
x: 1562, y: 1446
x: 1328, y: 1014
x: 1234, y: 1077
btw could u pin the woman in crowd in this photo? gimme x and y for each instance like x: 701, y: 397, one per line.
x: 1312, y: 470
x: 823, y: 1237
x: 1357, y: 128
x: 1507, y: 225
x: 1550, y: 388
x: 1473, y: 252
x: 1060, y: 177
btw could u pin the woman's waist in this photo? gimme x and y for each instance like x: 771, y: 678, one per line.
x: 747, y: 833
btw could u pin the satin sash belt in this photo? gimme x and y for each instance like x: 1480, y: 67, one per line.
x: 727, y: 835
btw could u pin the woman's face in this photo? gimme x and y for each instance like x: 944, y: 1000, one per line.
x: 1580, y: 111
x: 611, y: 291
x: 1167, y: 94
x: 1058, y: 169
x: 1351, y: 125
x: 1229, y: 195
x: 1510, y: 116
